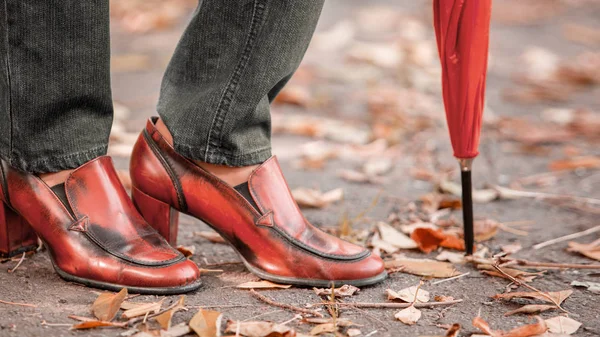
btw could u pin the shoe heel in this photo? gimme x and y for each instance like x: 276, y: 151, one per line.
x: 16, y: 235
x: 158, y: 214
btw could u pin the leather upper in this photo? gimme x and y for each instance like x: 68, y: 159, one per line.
x: 276, y: 238
x: 105, y: 239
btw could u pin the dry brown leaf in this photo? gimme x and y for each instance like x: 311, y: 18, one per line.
x: 322, y: 320
x: 323, y: 328
x: 586, y: 162
x: 531, y: 309
x: 211, y: 236
x: 423, y: 267
x: 591, y: 286
x: 139, y: 309
x: 264, y: 284
x: 259, y: 329
x: 206, y: 323
x: 511, y: 248
x: 378, y: 166
x: 429, y: 239
x: 591, y: 250
x: 435, y: 201
x: 452, y: 257
x: 164, y: 319
x: 516, y: 273
x: 187, y: 251
x: 353, y: 332
x: 408, y: 294
x: 562, y: 325
x: 107, y: 305
x: 453, y: 330
x: 344, y: 291
x: 394, y: 238
x: 358, y: 177
x: 442, y: 298
x: 96, y: 324
x: 523, y: 331
x: 485, y: 229
x: 557, y: 296
x: 408, y: 316
x: 311, y: 198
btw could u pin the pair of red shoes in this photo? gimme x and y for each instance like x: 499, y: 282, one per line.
x: 97, y: 236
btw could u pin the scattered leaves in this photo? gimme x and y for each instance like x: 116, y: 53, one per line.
x: 344, y: 291
x: 259, y: 329
x: 107, y: 304
x: 187, y: 251
x: 429, y: 239
x: 591, y: 250
x: 591, y: 286
x: 557, y: 296
x: 408, y: 316
x: 311, y: 198
x: 164, y: 319
x: 562, y: 325
x: 423, y: 267
x: 408, y: 294
x: 523, y: 331
x: 531, y: 309
x: 206, y: 323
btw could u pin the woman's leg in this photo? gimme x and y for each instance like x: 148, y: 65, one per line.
x: 55, y: 98
x: 231, y: 62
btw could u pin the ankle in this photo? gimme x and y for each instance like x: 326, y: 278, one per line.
x: 55, y: 178
x: 231, y: 175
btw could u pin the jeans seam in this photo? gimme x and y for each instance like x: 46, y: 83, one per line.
x: 41, y: 165
x: 214, y: 133
x: 9, y: 153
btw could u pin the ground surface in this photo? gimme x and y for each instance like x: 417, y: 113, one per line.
x: 35, y: 281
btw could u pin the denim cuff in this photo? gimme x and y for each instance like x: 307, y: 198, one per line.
x: 220, y: 157
x: 55, y: 163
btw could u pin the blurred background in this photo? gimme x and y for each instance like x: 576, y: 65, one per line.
x: 365, y: 105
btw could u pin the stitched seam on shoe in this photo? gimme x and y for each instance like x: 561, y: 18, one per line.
x: 214, y: 134
x: 170, y: 171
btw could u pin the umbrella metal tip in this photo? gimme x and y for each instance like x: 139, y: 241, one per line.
x: 465, y: 164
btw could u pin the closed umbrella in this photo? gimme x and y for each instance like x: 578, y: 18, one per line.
x: 462, y: 32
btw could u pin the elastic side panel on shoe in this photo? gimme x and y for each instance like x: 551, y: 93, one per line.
x: 244, y: 190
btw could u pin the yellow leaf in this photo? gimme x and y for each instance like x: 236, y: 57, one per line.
x: 105, y: 307
x: 206, y: 323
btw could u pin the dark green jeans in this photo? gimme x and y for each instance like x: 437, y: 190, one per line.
x: 231, y: 62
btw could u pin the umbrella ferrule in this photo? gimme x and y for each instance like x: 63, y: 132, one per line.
x: 465, y: 164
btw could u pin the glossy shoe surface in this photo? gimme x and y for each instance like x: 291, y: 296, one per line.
x: 97, y: 238
x: 274, y: 241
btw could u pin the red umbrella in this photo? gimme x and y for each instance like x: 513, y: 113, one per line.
x: 462, y: 29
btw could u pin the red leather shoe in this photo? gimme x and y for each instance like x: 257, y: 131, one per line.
x: 275, y: 241
x: 94, y: 236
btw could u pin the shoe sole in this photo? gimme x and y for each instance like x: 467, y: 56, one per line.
x: 301, y: 282
x: 133, y: 290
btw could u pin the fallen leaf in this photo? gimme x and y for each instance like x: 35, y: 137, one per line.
x: 164, y: 319
x: 206, y: 323
x: 178, y: 330
x: 311, y: 198
x: 562, y: 325
x: 408, y: 316
x: 531, y: 309
x: 105, y: 307
x: 321, y: 320
x: 453, y: 257
x: 378, y: 166
x: 429, y: 239
x: 395, y: 238
x: 453, y: 330
x: 211, y: 236
x: 264, y: 284
x: 344, y: 291
x: 187, y: 251
x: 587, y: 162
x: 423, y: 267
x: 479, y: 196
x: 139, y: 309
x: 511, y: 248
x: 323, y: 328
x: 408, y: 294
x: 591, y: 286
x: 523, y: 331
x: 353, y: 332
x: 442, y: 298
x: 591, y: 250
x: 96, y: 324
x: 557, y: 296
x: 485, y: 229
x: 520, y: 275
x: 435, y: 201
x: 358, y: 177
x: 259, y: 329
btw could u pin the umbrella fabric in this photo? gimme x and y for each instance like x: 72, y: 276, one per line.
x: 462, y: 30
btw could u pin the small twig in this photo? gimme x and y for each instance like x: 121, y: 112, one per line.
x: 514, y: 280
x: 417, y: 293
x: 135, y: 320
x: 511, y: 230
x: 395, y: 305
x: 221, y: 306
x: 19, y: 304
x: 44, y: 323
x: 284, y: 305
x: 450, y: 279
x: 535, y: 264
x: 567, y: 237
x: 18, y: 264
